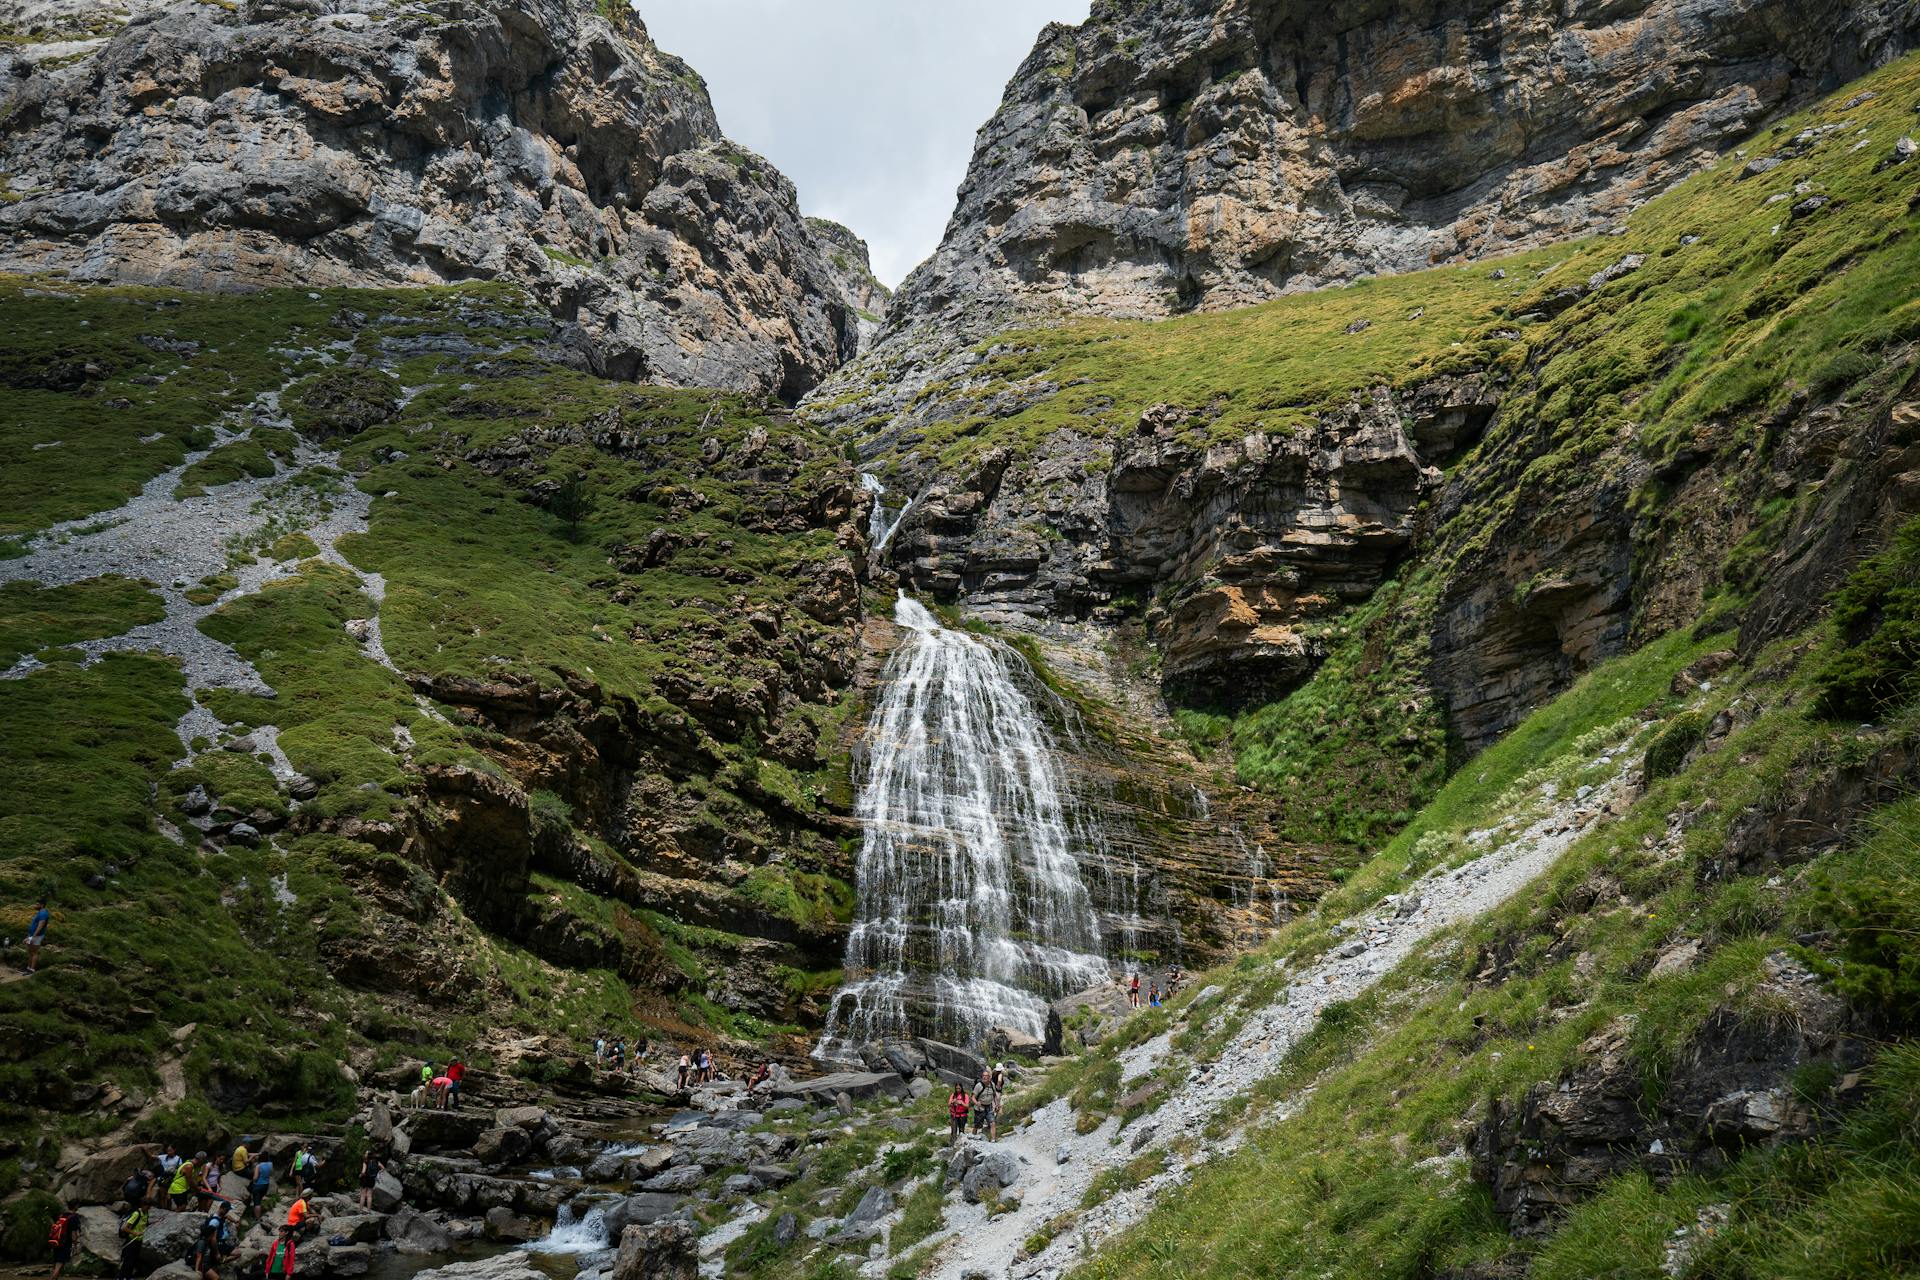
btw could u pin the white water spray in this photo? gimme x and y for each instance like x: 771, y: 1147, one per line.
x: 880, y: 526
x: 972, y: 912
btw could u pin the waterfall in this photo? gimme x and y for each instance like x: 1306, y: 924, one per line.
x: 972, y: 912
x: 880, y: 526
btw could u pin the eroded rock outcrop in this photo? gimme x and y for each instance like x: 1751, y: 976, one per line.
x: 362, y: 142
x: 1214, y: 153
x: 852, y: 269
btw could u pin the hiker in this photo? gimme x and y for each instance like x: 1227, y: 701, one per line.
x: 302, y: 1218
x: 168, y: 1162
x: 214, y: 1244
x: 302, y: 1168
x: 37, y: 934
x: 986, y: 1101
x: 706, y: 1066
x: 133, y: 1229
x: 280, y: 1257
x: 185, y: 1181
x: 60, y: 1237
x: 599, y: 1050
x: 425, y: 1090
x: 442, y: 1086
x: 209, y: 1186
x: 137, y: 1190
x: 619, y: 1055
x: 958, y: 1104
x: 1133, y: 991
x: 1153, y: 995
x: 686, y: 1069
x: 241, y: 1158
x: 262, y: 1183
x: 369, y: 1174
x: 456, y: 1073
x: 760, y: 1074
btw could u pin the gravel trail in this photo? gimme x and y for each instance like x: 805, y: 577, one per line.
x: 1058, y: 1164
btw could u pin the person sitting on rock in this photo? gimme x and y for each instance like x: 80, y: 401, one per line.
x: 1153, y: 995
x: 302, y: 1218
x: 760, y: 1074
x: 959, y: 1103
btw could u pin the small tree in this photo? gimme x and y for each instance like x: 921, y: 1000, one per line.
x: 572, y: 503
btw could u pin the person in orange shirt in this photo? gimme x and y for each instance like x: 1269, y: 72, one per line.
x: 301, y: 1218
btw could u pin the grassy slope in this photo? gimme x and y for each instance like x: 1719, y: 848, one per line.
x: 1691, y: 351
x: 1338, y: 1187
x: 484, y: 580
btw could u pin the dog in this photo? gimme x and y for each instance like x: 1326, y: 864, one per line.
x: 419, y: 1095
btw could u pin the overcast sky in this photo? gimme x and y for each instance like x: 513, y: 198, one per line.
x: 870, y: 106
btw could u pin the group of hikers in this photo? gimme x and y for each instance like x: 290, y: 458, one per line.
x: 979, y: 1103
x: 611, y: 1053
x: 440, y: 1089
x: 193, y: 1184
x: 1154, y: 990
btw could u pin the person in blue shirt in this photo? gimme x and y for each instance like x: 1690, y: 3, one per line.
x: 37, y: 934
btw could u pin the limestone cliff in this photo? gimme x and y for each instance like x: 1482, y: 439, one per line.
x: 846, y: 257
x: 357, y: 142
x: 1202, y: 154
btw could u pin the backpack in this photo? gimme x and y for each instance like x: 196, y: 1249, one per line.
x: 135, y: 1187
x: 61, y: 1231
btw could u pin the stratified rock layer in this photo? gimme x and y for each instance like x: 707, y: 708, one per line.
x: 352, y: 142
x: 1205, y: 154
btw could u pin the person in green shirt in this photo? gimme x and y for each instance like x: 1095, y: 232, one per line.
x: 133, y: 1229
x: 185, y: 1178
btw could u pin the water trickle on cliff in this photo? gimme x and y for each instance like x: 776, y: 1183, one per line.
x: 972, y: 912
x: 880, y: 525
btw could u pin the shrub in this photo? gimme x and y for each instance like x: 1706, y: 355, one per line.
x: 1667, y: 752
x: 1870, y: 898
x: 1877, y: 613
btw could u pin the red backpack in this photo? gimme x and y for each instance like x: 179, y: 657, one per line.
x: 61, y: 1231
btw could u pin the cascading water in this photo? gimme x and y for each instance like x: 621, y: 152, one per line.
x: 972, y: 912
x: 880, y: 526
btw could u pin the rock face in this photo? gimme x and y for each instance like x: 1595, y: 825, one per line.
x: 846, y: 258
x: 1733, y: 1088
x: 352, y: 142
x: 1205, y: 154
x: 1259, y: 537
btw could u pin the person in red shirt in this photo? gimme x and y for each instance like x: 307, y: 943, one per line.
x: 456, y: 1072
x: 959, y: 1102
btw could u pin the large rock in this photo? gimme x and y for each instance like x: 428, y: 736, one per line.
x: 433, y: 1130
x: 855, y: 1084
x: 511, y: 1265
x: 416, y: 1233
x: 680, y: 1178
x: 387, y: 1192
x: 866, y: 1217
x: 528, y: 140
x: 169, y: 1236
x: 98, y: 1178
x: 657, y: 1251
x: 638, y: 1210
x: 947, y: 1057
x: 502, y: 1146
x: 995, y: 1170
x: 503, y: 1224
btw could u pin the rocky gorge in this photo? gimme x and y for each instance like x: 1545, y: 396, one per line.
x: 1409, y: 517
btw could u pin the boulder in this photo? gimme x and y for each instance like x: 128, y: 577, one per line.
x: 1005, y: 1042
x: 739, y: 1184
x: 387, y: 1192
x: 433, y: 1130
x: 648, y: 1163
x: 604, y: 1167
x: 98, y: 1178
x: 511, y: 1265
x: 786, y: 1229
x: 866, y: 1217
x: 169, y: 1236
x: 681, y: 1178
x: 379, y: 1124
x: 993, y: 1172
x: 99, y: 1234
x: 855, y: 1084
x: 772, y: 1175
x: 416, y: 1233
x: 349, y: 1260
x: 638, y: 1210
x: 529, y: 1118
x: 502, y: 1146
x: 657, y: 1251
x: 356, y: 1228
x: 907, y: 1059
x: 950, y: 1058
x: 503, y: 1224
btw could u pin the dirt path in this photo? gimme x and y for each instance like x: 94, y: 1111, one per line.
x: 1058, y: 1165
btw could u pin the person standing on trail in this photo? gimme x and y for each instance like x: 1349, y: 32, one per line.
x: 60, y: 1238
x: 185, y: 1181
x: 1133, y: 991
x: 686, y: 1069
x: 133, y: 1229
x: 280, y: 1256
x: 1153, y: 995
x: 262, y: 1183
x: 958, y: 1104
x: 369, y: 1174
x: 986, y: 1104
x: 457, y: 1073
x: 37, y: 934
